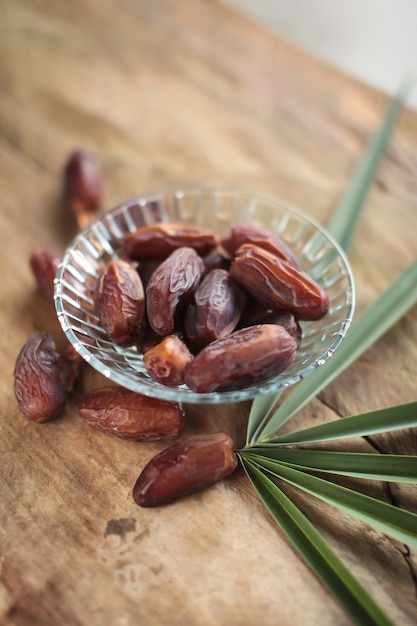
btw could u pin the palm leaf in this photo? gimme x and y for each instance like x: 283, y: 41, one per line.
x: 391, y: 520
x: 316, y: 551
x: 362, y: 425
x: 260, y: 408
x: 385, y: 467
x: 343, y: 222
x: 262, y: 427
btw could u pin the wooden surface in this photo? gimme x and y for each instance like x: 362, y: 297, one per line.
x: 172, y: 93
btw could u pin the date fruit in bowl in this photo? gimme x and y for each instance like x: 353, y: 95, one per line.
x: 215, y: 266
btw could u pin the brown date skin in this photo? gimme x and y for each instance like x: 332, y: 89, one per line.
x: 83, y: 185
x: 120, y: 302
x: 256, y: 314
x: 171, y: 287
x: 193, y: 463
x: 167, y: 361
x: 215, y: 261
x: 246, y: 357
x: 39, y: 379
x: 277, y: 284
x: 216, y: 310
x: 148, y: 337
x: 156, y: 242
x: 44, y: 265
x: 146, y: 269
x: 128, y: 415
x: 287, y: 320
x: 247, y: 233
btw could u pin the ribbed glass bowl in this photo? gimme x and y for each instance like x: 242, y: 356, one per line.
x: 218, y: 209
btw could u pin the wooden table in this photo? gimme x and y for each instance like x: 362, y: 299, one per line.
x: 173, y: 93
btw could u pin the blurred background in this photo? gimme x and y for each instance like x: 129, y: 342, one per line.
x: 372, y: 40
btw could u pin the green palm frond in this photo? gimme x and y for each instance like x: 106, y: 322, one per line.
x: 399, y: 468
x: 270, y: 456
x: 316, y: 552
x: 366, y: 424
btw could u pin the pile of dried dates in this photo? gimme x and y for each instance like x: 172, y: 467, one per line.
x: 215, y: 314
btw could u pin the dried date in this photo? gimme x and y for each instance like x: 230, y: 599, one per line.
x: 171, y: 287
x: 247, y: 356
x: 247, y: 233
x: 39, y: 379
x: 128, y: 415
x: 215, y: 261
x: 146, y: 269
x: 278, y: 284
x: 193, y: 463
x: 83, y: 186
x: 120, y: 302
x: 216, y: 310
x: 256, y: 314
x: 156, y: 242
x: 167, y: 361
x: 44, y: 265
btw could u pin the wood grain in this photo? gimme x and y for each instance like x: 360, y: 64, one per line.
x: 170, y: 93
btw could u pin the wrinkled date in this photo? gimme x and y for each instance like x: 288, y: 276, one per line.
x: 278, y: 284
x: 171, y: 287
x: 39, y: 379
x: 255, y: 314
x: 129, y: 415
x: 167, y: 361
x: 193, y: 463
x: 83, y: 185
x: 246, y: 233
x: 216, y: 310
x: 247, y: 356
x: 156, y: 242
x: 120, y: 302
x: 199, y: 294
x: 44, y: 265
x: 285, y: 319
x: 146, y: 269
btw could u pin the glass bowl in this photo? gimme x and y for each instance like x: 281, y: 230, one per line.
x: 218, y: 209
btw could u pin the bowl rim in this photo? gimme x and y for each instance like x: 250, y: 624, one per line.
x: 178, y: 394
